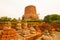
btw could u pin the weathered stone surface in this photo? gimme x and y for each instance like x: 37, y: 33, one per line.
x: 8, y: 34
x: 30, y: 13
x: 30, y: 9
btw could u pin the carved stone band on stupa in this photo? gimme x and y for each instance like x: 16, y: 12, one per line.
x: 30, y: 13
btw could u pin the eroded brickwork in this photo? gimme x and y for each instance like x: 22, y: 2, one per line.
x: 30, y: 13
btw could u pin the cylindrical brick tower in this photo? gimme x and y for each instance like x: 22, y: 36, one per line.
x: 30, y: 9
x: 30, y: 13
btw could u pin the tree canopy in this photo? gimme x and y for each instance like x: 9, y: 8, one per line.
x: 52, y: 18
x: 6, y: 19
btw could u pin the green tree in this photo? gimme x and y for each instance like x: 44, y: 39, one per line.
x: 5, y: 19
x: 14, y: 20
x: 52, y: 18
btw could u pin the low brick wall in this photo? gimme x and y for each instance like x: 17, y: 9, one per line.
x: 3, y: 24
x: 33, y: 36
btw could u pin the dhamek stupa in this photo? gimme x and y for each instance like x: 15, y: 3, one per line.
x: 30, y: 13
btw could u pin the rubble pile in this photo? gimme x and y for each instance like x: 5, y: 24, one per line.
x: 8, y: 34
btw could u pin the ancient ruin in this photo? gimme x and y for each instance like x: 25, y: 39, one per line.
x: 30, y: 13
x: 29, y: 28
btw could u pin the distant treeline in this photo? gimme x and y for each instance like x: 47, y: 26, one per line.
x: 7, y: 19
x: 48, y: 18
x: 52, y: 18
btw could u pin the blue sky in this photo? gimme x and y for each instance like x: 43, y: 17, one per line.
x: 15, y: 8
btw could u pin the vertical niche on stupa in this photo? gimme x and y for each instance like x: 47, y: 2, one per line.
x: 30, y: 13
